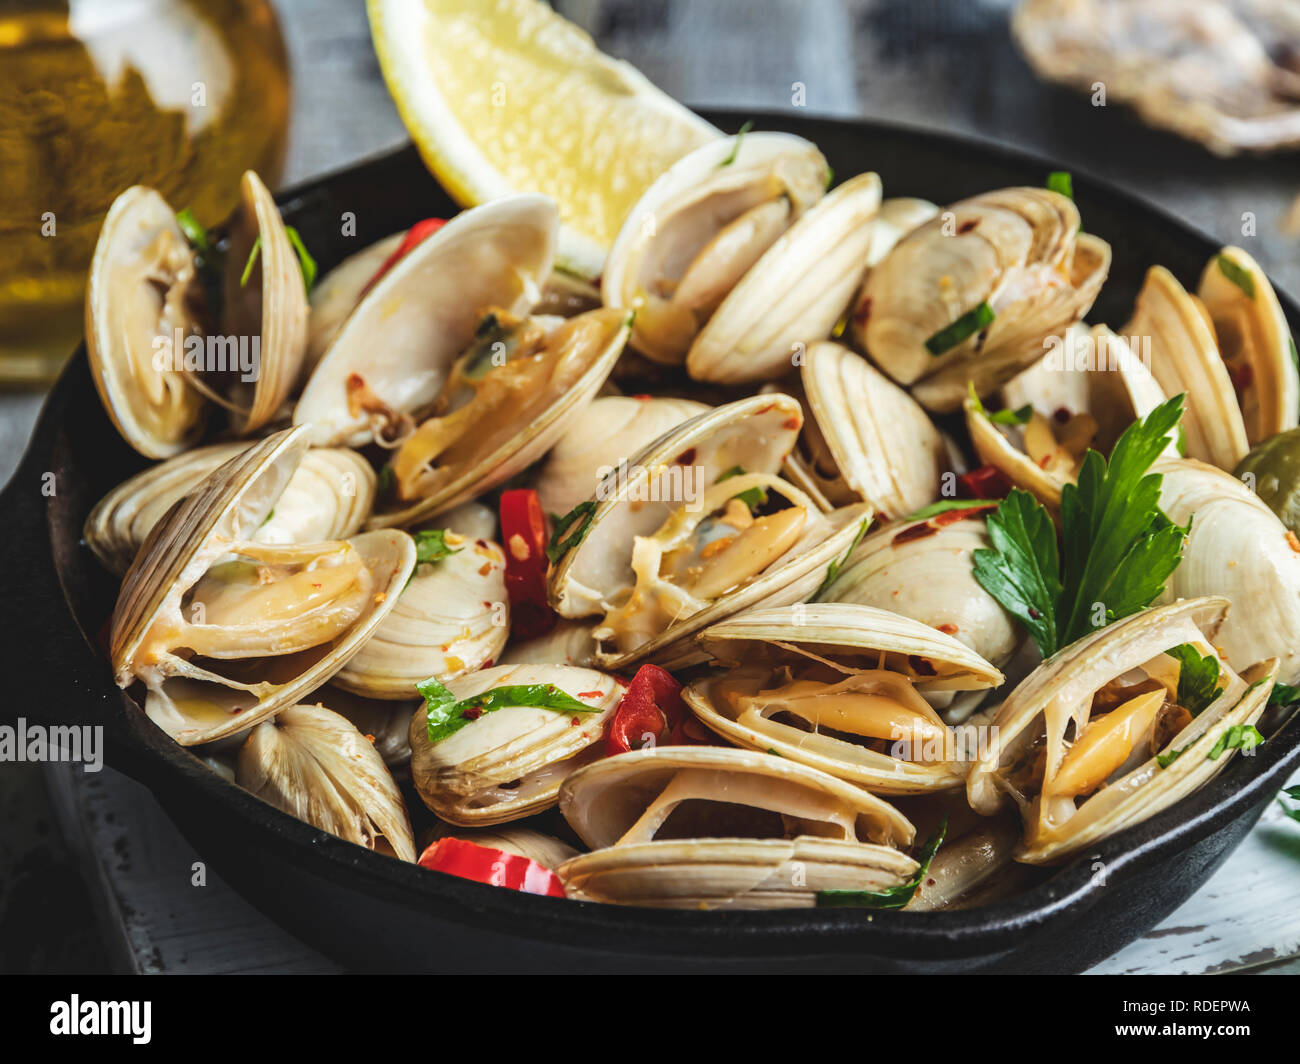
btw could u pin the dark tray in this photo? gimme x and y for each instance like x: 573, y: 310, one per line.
x: 375, y: 913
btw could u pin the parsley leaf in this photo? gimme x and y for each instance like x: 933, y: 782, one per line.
x: 1061, y: 181
x: 447, y: 715
x: 1021, y: 570
x: 1020, y: 416
x: 960, y: 330
x: 894, y: 897
x: 559, y: 546
x: 1283, y: 694
x: 1243, y: 737
x: 833, y: 570
x: 1198, y: 677
x: 753, y: 498
x: 944, y: 505
x: 1237, y: 274
x: 431, y: 546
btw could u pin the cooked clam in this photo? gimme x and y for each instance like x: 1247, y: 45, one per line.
x: 707, y: 828
x: 1103, y: 734
x: 385, y: 723
x: 971, y: 295
x: 451, y: 619
x: 699, y: 229
x: 329, y: 496
x: 1236, y: 548
x: 841, y: 688
x: 676, y: 543
x: 315, y: 765
x: 522, y: 733
x: 867, y: 440
x: 225, y: 632
x: 1082, y: 395
x: 612, y: 429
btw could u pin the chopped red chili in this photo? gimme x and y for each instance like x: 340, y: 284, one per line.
x: 651, y: 706
x: 523, y: 528
x: 986, y: 482
x: 497, y: 868
x: 417, y: 234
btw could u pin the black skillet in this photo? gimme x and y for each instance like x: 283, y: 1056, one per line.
x: 375, y: 913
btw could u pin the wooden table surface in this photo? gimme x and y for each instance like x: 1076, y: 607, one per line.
x: 940, y: 63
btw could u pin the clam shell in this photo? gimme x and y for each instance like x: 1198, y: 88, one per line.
x: 612, y: 429
x: 223, y: 511
x: 754, y: 433
x: 338, y: 292
x: 315, y: 765
x: 405, y: 333
x: 568, y: 643
x: 885, y: 447
x: 531, y: 440
x: 857, y: 637
x: 140, y: 249
x: 897, y: 217
x: 690, y: 203
x: 1185, y: 359
x: 451, y: 619
x: 794, y: 294
x: 1114, y: 387
x: 1253, y: 334
x: 1239, y: 549
x: 329, y: 496
x: 618, y: 805
x: 1067, y: 680
x: 463, y: 777
x: 271, y: 306
x: 385, y: 724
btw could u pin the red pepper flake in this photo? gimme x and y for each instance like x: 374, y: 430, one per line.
x: 947, y: 628
x: 921, y: 666
x: 951, y: 517
x: 1292, y: 541
x: 643, y: 396
x: 1034, y: 613
x: 575, y: 722
x: 590, y: 694
x: 687, y: 457
x: 1061, y: 414
x: 764, y: 410
x: 986, y: 482
x: 793, y: 423
x: 488, y: 664
x: 863, y: 311
x: 914, y: 532
x: 967, y: 226
x: 472, y: 712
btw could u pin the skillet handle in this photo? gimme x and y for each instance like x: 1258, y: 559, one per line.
x: 54, y: 675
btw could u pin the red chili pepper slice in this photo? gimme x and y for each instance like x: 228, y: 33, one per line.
x: 651, y: 706
x: 483, y: 864
x: 523, y: 531
x: 986, y: 482
x: 419, y: 232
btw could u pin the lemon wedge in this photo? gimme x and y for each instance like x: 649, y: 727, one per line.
x: 506, y: 96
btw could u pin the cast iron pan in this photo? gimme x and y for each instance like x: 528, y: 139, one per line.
x: 374, y: 913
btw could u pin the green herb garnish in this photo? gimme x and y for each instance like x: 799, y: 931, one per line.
x: 1283, y: 694
x: 944, y: 505
x: 1019, y: 416
x: 194, y: 232
x: 1061, y: 181
x: 964, y: 327
x: 735, y: 144
x: 431, y: 546
x: 559, y: 546
x: 1198, y: 677
x: 1237, y: 274
x: 893, y: 898
x: 1243, y: 737
x: 387, y: 480
x: 305, y: 262
x: 1117, y: 546
x: 447, y: 714
x: 1294, y: 793
x: 833, y: 570
x: 753, y: 498
x: 1165, y: 760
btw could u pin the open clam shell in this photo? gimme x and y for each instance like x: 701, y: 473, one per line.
x: 510, y: 762
x: 700, y: 227
x: 338, y: 292
x: 794, y: 294
x: 1178, y: 333
x: 271, y: 305
x: 401, y: 339
x: 142, y: 281
x: 1237, y: 548
x: 1083, y: 394
x: 857, y: 672
x: 612, y: 429
x: 329, y: 496
x: 568, y: 643
x: 451, y: 619
x: 385, y: 724
x: 706, y: 827
x: 315, y: 765
x: 1017, y: 252
x: 646, y: 559
x: 1076, y: 744
x: 869, y: 439
x: 223, y: 644
x: 924, y: 570
x: 1255, y: 342
x: 897, y: 217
